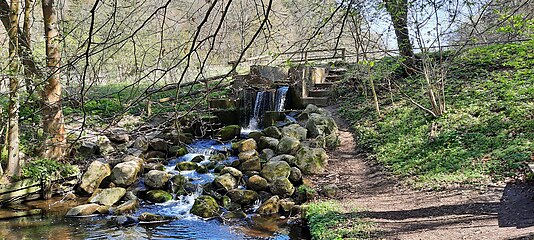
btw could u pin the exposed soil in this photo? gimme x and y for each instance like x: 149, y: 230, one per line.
x: 400, y: 212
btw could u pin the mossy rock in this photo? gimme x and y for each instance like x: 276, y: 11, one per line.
x: 229, y: 132
x: 202, y: 169
x: 226, y: 182
x: 243, y: 197
x: 256, y: 136
x: 311, y: 160
x: 275, y: 169
x: 296, y: 131
x: 269, y: 207
x: 218, y: 157
x: 206, y: 207
x: 178, y: 151
x: 186, y: 166
x: 288, y: 145
x: 273, y: 132
x: 282, y: 187
x: 158, y: 196
x: 198, y: 158
x: 257, y: 183
x: 268, y: 142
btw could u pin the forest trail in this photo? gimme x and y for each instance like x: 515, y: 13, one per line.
x: 400, y: 212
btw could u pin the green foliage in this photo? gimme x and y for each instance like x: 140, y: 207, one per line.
x: 486, y: 134
x: 327, y: 220
x: 44, y: 169
x: 305, y: 189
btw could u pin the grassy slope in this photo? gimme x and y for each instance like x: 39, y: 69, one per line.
x: 487, y: 133
x: 328, y: 220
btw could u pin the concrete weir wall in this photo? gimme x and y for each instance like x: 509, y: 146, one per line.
x: 299, y: 79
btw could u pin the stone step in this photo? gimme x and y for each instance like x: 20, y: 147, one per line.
x: 337, y: 71
x: 333, y: 78
x: 325, y: 85
x: 318, y: 101
x: 319, y: 93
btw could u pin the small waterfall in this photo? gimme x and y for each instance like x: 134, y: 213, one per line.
x: 280, y: 100
x: 263, y: 103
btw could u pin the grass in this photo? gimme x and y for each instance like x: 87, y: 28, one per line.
x: 328, y: 220
x: 486, y: 134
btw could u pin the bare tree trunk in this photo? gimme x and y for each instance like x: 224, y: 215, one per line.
x: 13, y: 164
x: 53, y: 123
x: 26, y: 30
x: 398, y: 10
x: 24, y: 49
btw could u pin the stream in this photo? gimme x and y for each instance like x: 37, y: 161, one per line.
x: 52, y: 225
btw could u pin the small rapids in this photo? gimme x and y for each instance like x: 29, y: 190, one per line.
x: 182, y: 224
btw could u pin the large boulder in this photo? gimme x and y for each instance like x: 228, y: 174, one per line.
x: 282, y: 187
x: 206, y: 207
x: 288, y: 145
x: 158, y: 196
x: 243, y: 197
x: 311, y: 160
x: 253, y: 164
x: 83, y: 210
x: 268, y: 142
x: 295, y: 131
x: 96, y: 172
x: 318, y: 125
x: 229, y: 132
x: 270, y: 206
x: 247, y: 145
x: 156, y: 179
x: 275, y: 169
x: 226, y: 182
x: 125, y: 173
x: 108, y: 196
x: 273, y: 132
x: 258, y: 183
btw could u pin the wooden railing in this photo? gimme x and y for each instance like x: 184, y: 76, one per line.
x: 295, y: 57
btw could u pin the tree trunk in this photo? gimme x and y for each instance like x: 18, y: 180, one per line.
x: 27, y: 36
x: 24, y: 50
x: 53, y: 124
x: 398, y: 10
x: 13, y: 164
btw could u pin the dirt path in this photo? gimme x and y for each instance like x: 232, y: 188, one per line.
x: 399, y: 212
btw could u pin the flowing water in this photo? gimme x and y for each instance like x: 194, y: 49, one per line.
x: 280, y: 100
x: 52, y: 225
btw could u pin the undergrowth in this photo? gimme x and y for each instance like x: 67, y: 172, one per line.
x: 486, y: 134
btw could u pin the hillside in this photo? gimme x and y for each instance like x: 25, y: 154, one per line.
x: 485, y: 135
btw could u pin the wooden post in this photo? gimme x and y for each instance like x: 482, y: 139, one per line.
x: 343, y: 54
